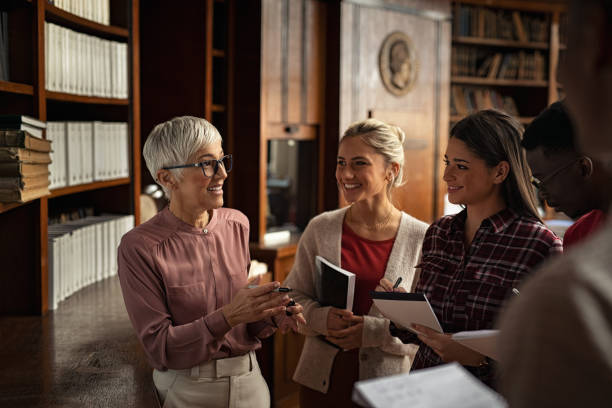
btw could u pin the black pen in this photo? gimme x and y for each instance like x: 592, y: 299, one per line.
x: 397, y: 282
x: 280, y: 289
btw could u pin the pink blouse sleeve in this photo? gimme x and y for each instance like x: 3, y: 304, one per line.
x: 166, y: 345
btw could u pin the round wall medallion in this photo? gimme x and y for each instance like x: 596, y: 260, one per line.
x: 397, y: 63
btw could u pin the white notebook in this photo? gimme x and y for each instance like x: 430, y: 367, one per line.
x: 403, y: 309
x: 483, y: 341
x: 448, y: 385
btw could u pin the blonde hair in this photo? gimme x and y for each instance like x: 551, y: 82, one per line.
x: 387, y: 140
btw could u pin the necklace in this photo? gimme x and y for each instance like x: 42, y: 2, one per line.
x: 375, y: 226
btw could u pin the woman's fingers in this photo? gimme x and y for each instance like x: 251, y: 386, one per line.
x: 344, y: 332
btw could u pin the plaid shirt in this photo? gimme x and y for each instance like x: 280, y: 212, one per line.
x: 467, y: 289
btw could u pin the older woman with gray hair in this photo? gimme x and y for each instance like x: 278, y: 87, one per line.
x: 184, y: 273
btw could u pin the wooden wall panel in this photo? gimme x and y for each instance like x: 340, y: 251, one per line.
x: 294, y: 63
x: 423, y: 112
x: 314, y: 62
x: 271, y: 59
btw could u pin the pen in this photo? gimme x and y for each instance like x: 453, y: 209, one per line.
x: 281, y: 289
x: 515, y: 291
x: 397, y: 282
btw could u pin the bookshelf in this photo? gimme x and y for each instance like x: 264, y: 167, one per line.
x: 24, y: 250
x: 505, y: 55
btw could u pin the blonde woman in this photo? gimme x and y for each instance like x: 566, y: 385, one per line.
x: 370, y: 238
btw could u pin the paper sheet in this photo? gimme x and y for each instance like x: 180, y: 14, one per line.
x: 483, y: 341
x: 448, y: 385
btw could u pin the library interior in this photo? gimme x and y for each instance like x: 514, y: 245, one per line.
x: 85, y: 213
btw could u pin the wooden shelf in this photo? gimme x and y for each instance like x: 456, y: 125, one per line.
x: 16, y: 88
x: 88, y: 187
x: 499, y: 82
x: 525, y: 120
x: 96, y: 100
x: 496, y: 42
x: 61, y: 17
x: 4, y: 207
x: 218, y: 53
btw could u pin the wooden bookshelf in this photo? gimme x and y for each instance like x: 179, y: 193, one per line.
x: 24, y: 275
x: 16, y: 88
x: 96, y: 100
x: 497, y: 42
x: 79, y: 188
x: 61, y: 17
x: 504, y: 51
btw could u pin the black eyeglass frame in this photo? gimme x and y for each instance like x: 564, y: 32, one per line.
x: 539, y: 183
x: 206, y: 163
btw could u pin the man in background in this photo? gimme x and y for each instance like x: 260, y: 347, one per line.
x: 556, y: 337
x: 566, y: 179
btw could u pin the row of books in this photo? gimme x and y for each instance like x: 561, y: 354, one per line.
x: 24, y: 159
x: 484, y: 22
x: 466, y: 100
x: 475, y: 62
x: 83, y: 252
x: 82, y: 64
x: 94, y: 10
x: 88, y: 151
x: 4, y: 45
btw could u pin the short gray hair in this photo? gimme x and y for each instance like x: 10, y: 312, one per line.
x: 387, y: 140
x: 174, y: 142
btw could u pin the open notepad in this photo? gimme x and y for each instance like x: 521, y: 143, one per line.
x: 403, y: 309
x: 448, y: 385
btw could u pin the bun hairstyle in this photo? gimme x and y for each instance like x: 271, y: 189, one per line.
x: 387, y: 140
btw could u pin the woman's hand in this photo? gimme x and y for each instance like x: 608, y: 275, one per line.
x: 338, y: 319
x: 350, y: 337
x: 292, y: 322
x: 448, y: 349
x: 253, y: 304
x: 385, y: 285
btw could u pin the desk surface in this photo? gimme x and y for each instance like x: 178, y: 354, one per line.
x: 84, y: 354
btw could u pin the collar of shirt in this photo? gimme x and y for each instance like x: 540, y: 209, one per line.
x: 181, y: 225
x: 498, y: 221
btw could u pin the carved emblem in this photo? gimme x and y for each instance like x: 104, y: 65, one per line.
x: 397, y: 63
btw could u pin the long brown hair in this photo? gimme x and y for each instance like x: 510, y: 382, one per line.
x: 494, y: 137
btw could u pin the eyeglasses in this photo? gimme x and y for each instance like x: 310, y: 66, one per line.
x: 209, y: 167
x: 539, y: 184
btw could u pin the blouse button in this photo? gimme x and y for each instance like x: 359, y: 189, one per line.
x: 205, y: 231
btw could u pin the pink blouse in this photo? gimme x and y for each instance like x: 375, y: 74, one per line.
x: 175, y: 278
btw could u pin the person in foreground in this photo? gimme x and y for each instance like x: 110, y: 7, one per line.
x: 183, y: 276
x: 370, y: 238
x: 555, y: 337
x: 568, y: 180
x: 473, y: 260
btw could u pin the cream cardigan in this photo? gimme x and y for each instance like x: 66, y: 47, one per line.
x: 380, y: 353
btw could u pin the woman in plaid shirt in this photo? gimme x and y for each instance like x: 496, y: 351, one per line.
x: 471, y: 261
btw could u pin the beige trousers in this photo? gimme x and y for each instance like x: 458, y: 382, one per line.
x: 233, y: 382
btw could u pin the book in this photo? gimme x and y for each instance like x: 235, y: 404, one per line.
x: 34, y: 131
x: 482, y: 341
x: 8, y: 154
x: 335, y: 286
x: 403, y: 309
x: 23, y: 169
x: 18, y: 183
x: 20, y: 138
x: 448, y: 385
x: 22, y: 195
x: 22, y: 119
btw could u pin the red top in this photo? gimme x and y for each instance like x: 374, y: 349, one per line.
x: 367, y: 260
x: 585, y: 226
